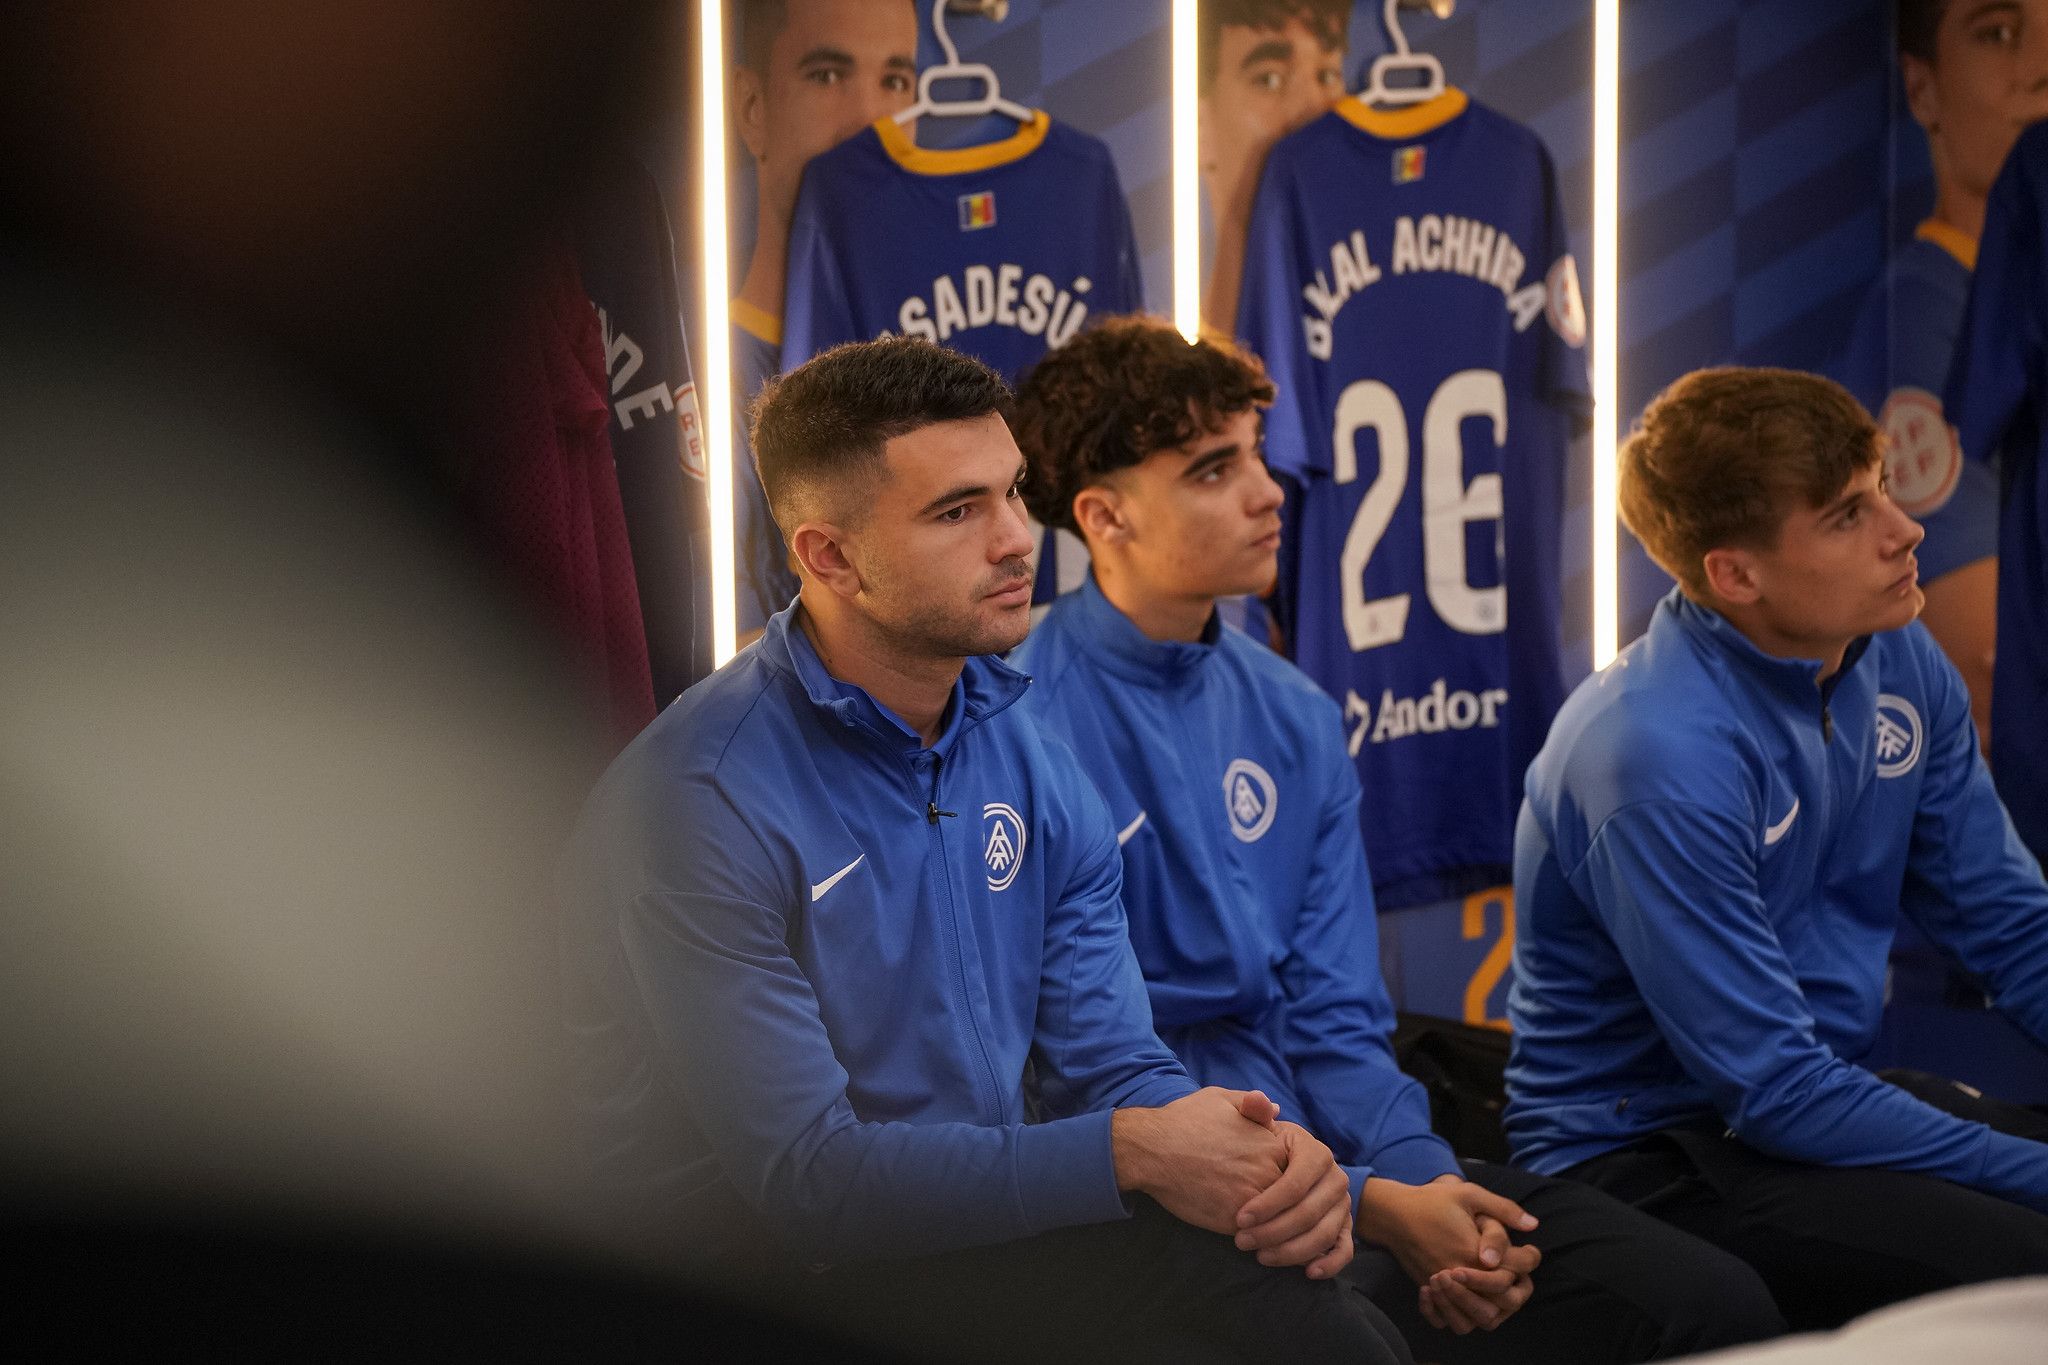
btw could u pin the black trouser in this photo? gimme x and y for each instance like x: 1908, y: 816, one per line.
x: 1833, y: 1242
x: 1150, y: 1289
x: 1614, y: 1286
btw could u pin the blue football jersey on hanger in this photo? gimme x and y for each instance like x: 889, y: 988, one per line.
x: 1001, y: 251
x: 1409, y: 284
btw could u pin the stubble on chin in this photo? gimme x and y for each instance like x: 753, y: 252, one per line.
x: 981, y: 633
x: 1009, y: 632
x: 937, y: 632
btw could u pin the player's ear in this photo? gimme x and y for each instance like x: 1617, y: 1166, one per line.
x: 1922, y: 99
x: 1099, y: 512
x: 820, y: 551
x: 1731, y: 575
x: 750, y: 109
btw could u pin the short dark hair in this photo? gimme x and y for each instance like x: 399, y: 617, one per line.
x: 1722, y: 455
x: 828, y: 420
x: 1327, y: 19
x: 1918, y: 23
x: 1124, y: 390
x: 760, y: 22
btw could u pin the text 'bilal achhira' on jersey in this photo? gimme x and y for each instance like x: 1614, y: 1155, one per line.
x: 1439, y: 243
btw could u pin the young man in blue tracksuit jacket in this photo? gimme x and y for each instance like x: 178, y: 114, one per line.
x: 1245, y: 878
x: 1717, y: 841
x: 827, y: 910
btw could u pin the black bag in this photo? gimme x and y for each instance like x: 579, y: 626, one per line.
x: 1463, y: 1067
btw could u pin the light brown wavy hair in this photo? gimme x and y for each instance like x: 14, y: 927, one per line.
x: 1723, y: 456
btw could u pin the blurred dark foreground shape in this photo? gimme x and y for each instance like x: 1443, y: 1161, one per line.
x: 283, y: 761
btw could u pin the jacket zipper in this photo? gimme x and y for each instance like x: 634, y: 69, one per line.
x: 931, y: 807
x: 932, y: 815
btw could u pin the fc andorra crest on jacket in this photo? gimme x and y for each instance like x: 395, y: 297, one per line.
x: 1003, y: 837
x: 1899, y: 735
x: 1250, y: 798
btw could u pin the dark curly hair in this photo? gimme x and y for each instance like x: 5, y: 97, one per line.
x: 1124, y: 390
x: 827, y: 420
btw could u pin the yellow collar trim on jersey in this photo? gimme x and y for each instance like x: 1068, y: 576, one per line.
x: 1412, y: 121
x: 904, y: 151
x: 1953, y: 240
x: 755, y: 321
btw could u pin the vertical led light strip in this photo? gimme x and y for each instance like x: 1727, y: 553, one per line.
x: 1187, y: 192
x: 714, y: 391
x: 1606, y: 325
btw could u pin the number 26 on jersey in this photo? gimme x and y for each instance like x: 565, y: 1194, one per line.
x: 1449, y: 504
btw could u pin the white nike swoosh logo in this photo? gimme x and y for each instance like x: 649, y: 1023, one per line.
x: 1777, y: 831
x: 822, y: 887
x: 1123, y: 836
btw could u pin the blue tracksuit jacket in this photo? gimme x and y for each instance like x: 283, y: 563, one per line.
x: 1708, y: 869
x: 1244, y: 874
x: 808, y: 960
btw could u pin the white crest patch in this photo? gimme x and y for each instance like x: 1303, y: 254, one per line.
x: 1899, y: 736
x: 1563, y: 303
x: 1922, y: 456
x: 1003, y: 839
x: 1250, y: 799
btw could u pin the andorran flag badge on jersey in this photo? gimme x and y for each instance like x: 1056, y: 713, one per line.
x: 977, y: 210
x: 1408, y: 164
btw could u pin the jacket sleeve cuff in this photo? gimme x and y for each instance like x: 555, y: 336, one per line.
x: 1066, y: 1173
x: 1357, y: 1175
x: 1416, y: 1160
x: 1159, y: 1090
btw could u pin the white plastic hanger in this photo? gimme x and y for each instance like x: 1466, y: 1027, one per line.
x: 990, y: 101
x: 1402, y: 60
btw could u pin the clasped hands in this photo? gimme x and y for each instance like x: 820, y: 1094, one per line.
x: 1451, y: 1236
x: 1224, y: 1160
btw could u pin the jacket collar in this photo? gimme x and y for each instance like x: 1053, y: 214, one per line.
x: 985, y: 687
x: 1798, y: 678
x: 1120, y: 646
